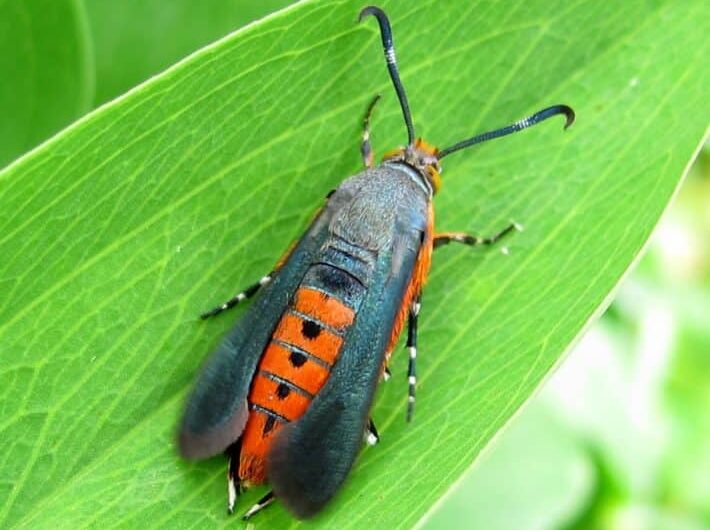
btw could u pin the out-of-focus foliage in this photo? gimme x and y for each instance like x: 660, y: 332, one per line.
x: 46, y: 71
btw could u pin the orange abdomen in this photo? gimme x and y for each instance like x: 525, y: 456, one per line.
x: 294, y: 367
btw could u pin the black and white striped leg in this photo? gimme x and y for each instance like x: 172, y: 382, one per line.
x: 366, y: 148
x: 244, y: 295
x: 372, y: 437
x: 468, y: 239
x: 412, y: 348
x: 234, y: 487
x: 260, y: 505
x: 386, y: 374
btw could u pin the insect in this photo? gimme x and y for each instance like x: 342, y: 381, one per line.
x: 287, y: 394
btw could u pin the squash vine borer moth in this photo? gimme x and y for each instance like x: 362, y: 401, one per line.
x: 287, y: 394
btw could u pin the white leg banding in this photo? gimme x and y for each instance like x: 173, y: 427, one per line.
x: 231, y: 494
x: 371, y: 439
x: 257, y: 507
x: 265, y: 280
x: 251, y: 511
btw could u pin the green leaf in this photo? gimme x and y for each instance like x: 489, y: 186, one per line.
x: 46, y: 68
x: 119, y: 231
x: 135, y: 39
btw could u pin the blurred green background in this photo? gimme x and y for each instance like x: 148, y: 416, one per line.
x: 618, y: 437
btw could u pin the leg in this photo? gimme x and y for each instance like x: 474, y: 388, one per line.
x: 468, y: 239
x: 412, y: 347
x: 252, y: 289
x: 366, y: 148
x: 260, y: 505
x: 234, y: 486
x: 244, y: 295
x: 371, y: 434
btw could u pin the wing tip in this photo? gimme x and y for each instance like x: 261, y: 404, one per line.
x: 197, y: 445
x: 284, y: 481
x: 193, y: 446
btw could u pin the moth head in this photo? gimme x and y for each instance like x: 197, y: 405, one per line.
x: 422, y: 156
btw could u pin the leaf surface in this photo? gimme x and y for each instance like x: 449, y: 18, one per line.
x: 118, y: 232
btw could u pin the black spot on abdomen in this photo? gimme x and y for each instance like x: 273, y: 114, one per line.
x: 297, y: 359
x: 282, y: 391
x: 310, y: 329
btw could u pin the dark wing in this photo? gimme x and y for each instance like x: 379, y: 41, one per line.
x: 311, y: 457
x: 216, y: 411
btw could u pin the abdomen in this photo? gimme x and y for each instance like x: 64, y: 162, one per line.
x: 303, y: 348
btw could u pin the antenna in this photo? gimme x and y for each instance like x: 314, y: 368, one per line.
x: 515, y: 127
x: 388, y: 45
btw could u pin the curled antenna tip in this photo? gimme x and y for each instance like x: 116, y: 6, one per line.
x: 391, y: 61
x: 370, y: 10
x: 569, y: 114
